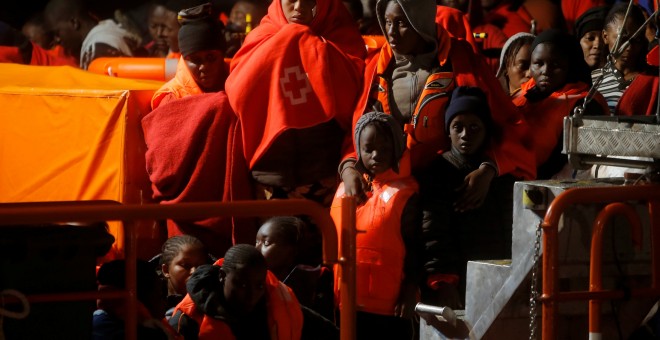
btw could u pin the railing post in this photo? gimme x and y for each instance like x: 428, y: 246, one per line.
x: 347, y: 263
x: 130, y: 240
x: 596, y: 262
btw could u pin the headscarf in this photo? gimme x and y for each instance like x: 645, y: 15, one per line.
x: 420, y: 14
x: 398, y: 139
x: 567, y: 46
x: 507, y: 44
x: 332, y: 22
x: 200, y: 35
x: 591, y: 20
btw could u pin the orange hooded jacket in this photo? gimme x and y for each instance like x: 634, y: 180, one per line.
x: 182, y: 85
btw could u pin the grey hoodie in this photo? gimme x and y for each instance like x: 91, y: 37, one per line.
x: 411, y: 71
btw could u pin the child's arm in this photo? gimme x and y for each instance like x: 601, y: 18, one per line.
x: 475, y: 187
x: 411, y: 232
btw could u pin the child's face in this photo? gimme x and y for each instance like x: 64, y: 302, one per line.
x: 375, y: 150
x: 467, y: 133
x: 244, y: 287
x: 181, y: 267
x: 280, y: 254
x: 549, y: 68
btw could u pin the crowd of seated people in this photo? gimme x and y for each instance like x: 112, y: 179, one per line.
x: 280, y: 99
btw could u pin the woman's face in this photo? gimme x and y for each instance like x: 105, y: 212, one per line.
x: 208, y: 69
x: 401, y: 36
x: 549, y: 68
x: 593, y: 48
x: 299, y: 11
x: 631, y: 54
x: 517, y: 70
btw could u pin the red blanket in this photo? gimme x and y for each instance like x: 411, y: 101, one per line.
x: 456, y: 23
x: 546, y: 117
x: 640, y: 98
x: 191, y: 158
x: 295, y: 76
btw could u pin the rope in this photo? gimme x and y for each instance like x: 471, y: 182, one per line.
x: 11, y: 314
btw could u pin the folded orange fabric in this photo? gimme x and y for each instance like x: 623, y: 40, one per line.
x: 295, y: 76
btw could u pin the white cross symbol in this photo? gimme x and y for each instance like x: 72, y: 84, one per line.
x: 294, y: 80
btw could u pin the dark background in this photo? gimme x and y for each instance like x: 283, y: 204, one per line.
x: 17, y: 12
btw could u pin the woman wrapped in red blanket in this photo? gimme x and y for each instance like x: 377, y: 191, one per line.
x: 191, y: 158
x: 294, y: 85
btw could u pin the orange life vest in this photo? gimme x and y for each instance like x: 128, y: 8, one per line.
x: 285, y: 318
x: 380, y: 249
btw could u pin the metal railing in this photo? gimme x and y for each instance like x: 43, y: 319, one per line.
x: 80, y: 211
x: 649, y: 194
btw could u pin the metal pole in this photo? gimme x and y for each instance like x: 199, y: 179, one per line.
x: 596, y: 263
x: 347, y: 263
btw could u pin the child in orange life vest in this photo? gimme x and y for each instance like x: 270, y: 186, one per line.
x: 387, y: 261
x: 280, y: 240
x: 238, y: 298
x: 451, y: 236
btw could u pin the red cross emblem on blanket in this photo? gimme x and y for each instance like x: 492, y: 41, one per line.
x: 295, y: 85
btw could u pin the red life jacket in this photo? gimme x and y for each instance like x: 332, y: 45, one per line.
x: 380, y: 250
x: 285, y: 318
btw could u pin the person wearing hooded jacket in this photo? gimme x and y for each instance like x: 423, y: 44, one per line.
x: 411, y: 80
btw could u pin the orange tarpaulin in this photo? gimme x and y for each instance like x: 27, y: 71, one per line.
x: 66, y: 134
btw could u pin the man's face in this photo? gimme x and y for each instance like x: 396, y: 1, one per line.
x: 67, y: 32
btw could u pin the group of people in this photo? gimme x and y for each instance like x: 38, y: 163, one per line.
x: 429, y: 132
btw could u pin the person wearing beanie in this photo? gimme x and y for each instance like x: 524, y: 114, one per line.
x: 411, y: 80
x: 560, y: 82
x: 388, y: 253
x: 201, y: 68
x: 589, y: 30
x: 452, y: 236
x: 514, y: 62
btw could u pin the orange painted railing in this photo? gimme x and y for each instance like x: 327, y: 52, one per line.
x: 596, y: 263
x: 35, y: 213
x: 551, y: 296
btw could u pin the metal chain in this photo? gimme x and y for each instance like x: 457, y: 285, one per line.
x: 533, y: 291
